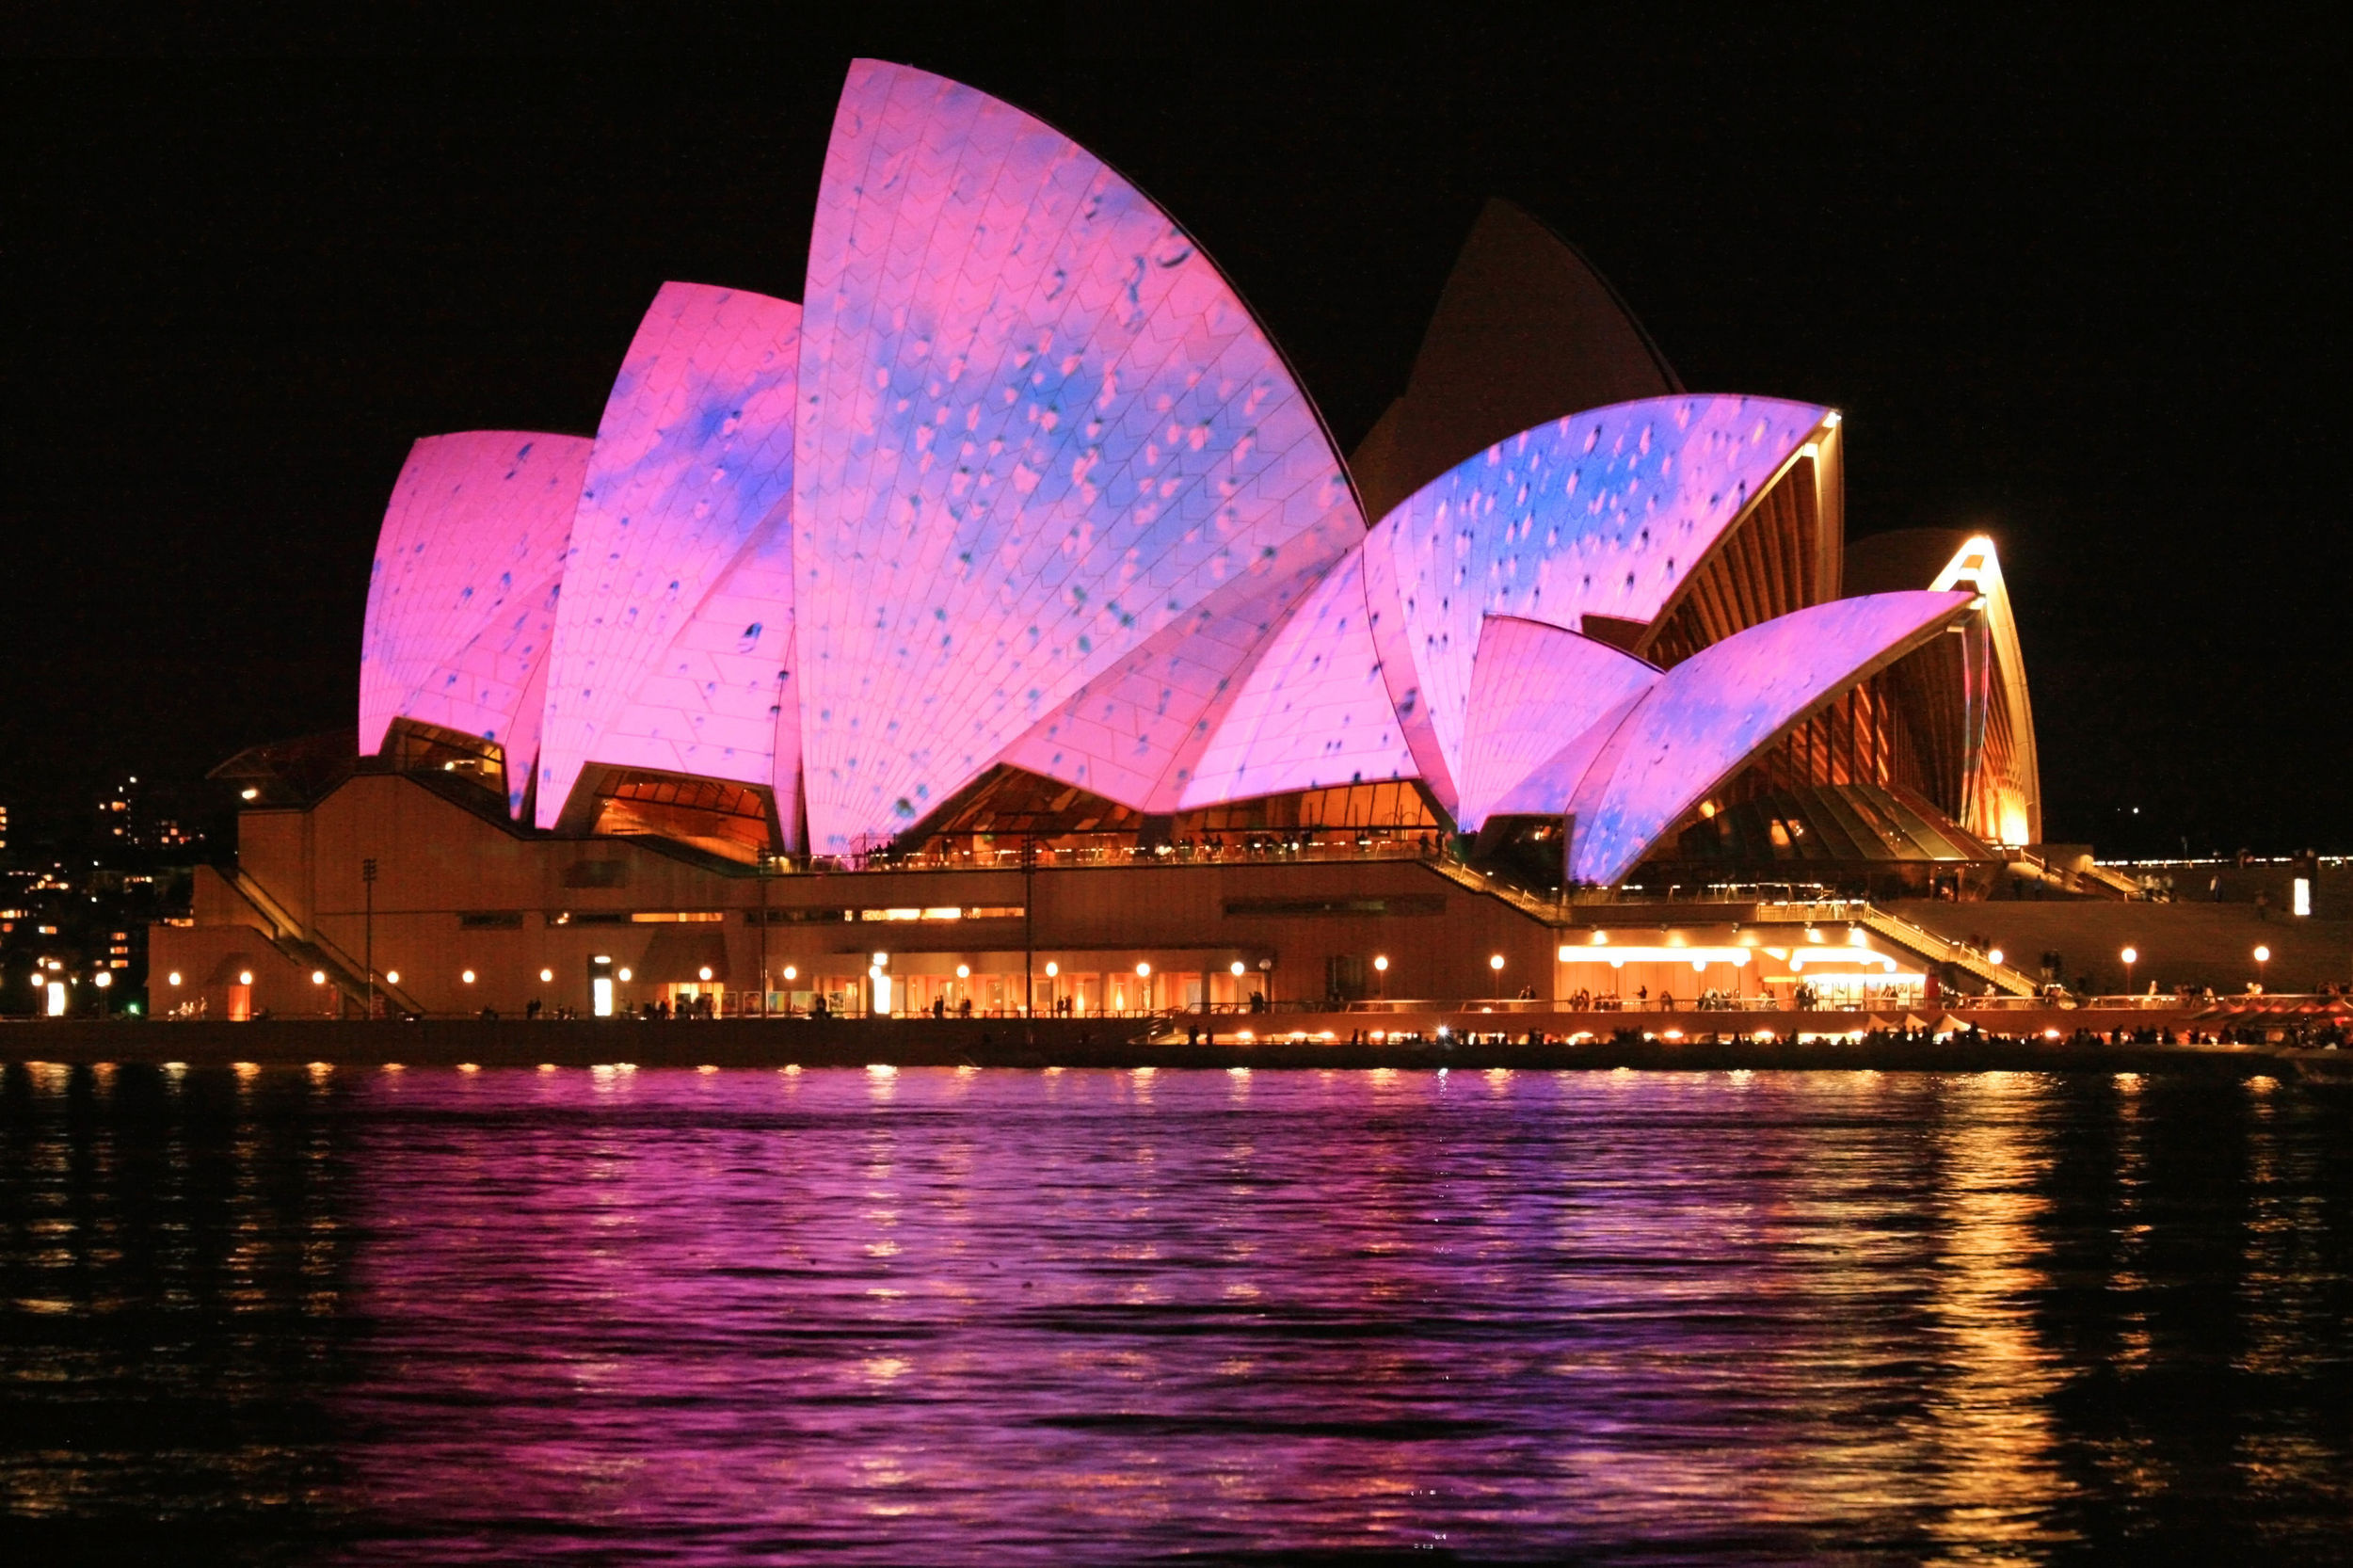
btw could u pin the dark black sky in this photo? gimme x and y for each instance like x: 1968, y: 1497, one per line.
x: 2084, y: 291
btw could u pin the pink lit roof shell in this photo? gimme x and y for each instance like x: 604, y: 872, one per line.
x: 1534, y: 690
x: 720, y: 702
x: 1047, y: 496
x: 1602, y: 513
x: 1547, y: 789
x: 655, y: 665
x: 1312, y: 711
x: 460, y: 599
x: 1135, y: 733
x: 1036, y: 429
x: 1719, y: 707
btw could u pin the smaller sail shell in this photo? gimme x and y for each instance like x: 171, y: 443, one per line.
x: 460, y: 599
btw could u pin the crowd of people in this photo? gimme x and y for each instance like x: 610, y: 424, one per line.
x: 1710, y: 1000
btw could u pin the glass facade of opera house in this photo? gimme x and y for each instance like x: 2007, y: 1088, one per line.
x: 1000, y: 622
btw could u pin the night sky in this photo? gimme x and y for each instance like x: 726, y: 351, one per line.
x: 2083, y: 291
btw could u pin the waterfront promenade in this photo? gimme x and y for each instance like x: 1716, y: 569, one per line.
x: 1712, y: 1041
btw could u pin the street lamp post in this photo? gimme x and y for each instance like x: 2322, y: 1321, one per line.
x: 2263, y: 956
x: 2129, y: 954
x: 1495, y: 963
x: 367, y: 884
x: 1029, y: 934
x: 1381, y: 975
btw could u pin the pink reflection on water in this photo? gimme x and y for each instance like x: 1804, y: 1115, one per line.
x: 996, y: 1314
x: 515, y: 1317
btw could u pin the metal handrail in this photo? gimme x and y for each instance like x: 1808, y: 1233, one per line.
x: 351, y: 980
x: 1896, y: 929
x: 1476, y: 881
x: 265, y: 904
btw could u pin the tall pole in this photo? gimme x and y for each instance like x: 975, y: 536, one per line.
x: 1028, y: 932
x: 767, y: 872
x: 367, y: 882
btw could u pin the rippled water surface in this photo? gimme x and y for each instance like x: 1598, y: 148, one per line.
x: 512, y: 1317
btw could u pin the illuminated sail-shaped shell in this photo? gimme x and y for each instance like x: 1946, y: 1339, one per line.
x: 1595, y: 517
x: 2004, y: 781
x: 1313, y: 712
x: 1547, y: 789
x: 1036, y: 430
x: 472, y: 544
x: 1713, y: 712
x: 1135, y: 732
x: 691, y: 480
x: 497, y: 685
x: 713, y: 703
x: 1534, y: 689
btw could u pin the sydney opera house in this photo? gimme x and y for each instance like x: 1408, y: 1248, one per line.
x: 999, y: 626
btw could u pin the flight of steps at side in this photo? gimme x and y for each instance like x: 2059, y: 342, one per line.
x: 1476, y: 881
x: 311, y: 950
x: 1919, y: 941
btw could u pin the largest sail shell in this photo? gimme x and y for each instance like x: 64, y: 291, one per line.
x: 1036, y: 427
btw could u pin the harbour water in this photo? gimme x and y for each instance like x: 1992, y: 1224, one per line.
x: 954, y: 1314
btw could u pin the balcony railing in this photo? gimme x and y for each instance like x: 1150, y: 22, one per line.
x: 1250, y: 848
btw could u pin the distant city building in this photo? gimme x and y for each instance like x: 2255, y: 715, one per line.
x: 1004, y: 616
x: 67, y: 919
x: 114, y: 817
x: 140, y: 823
